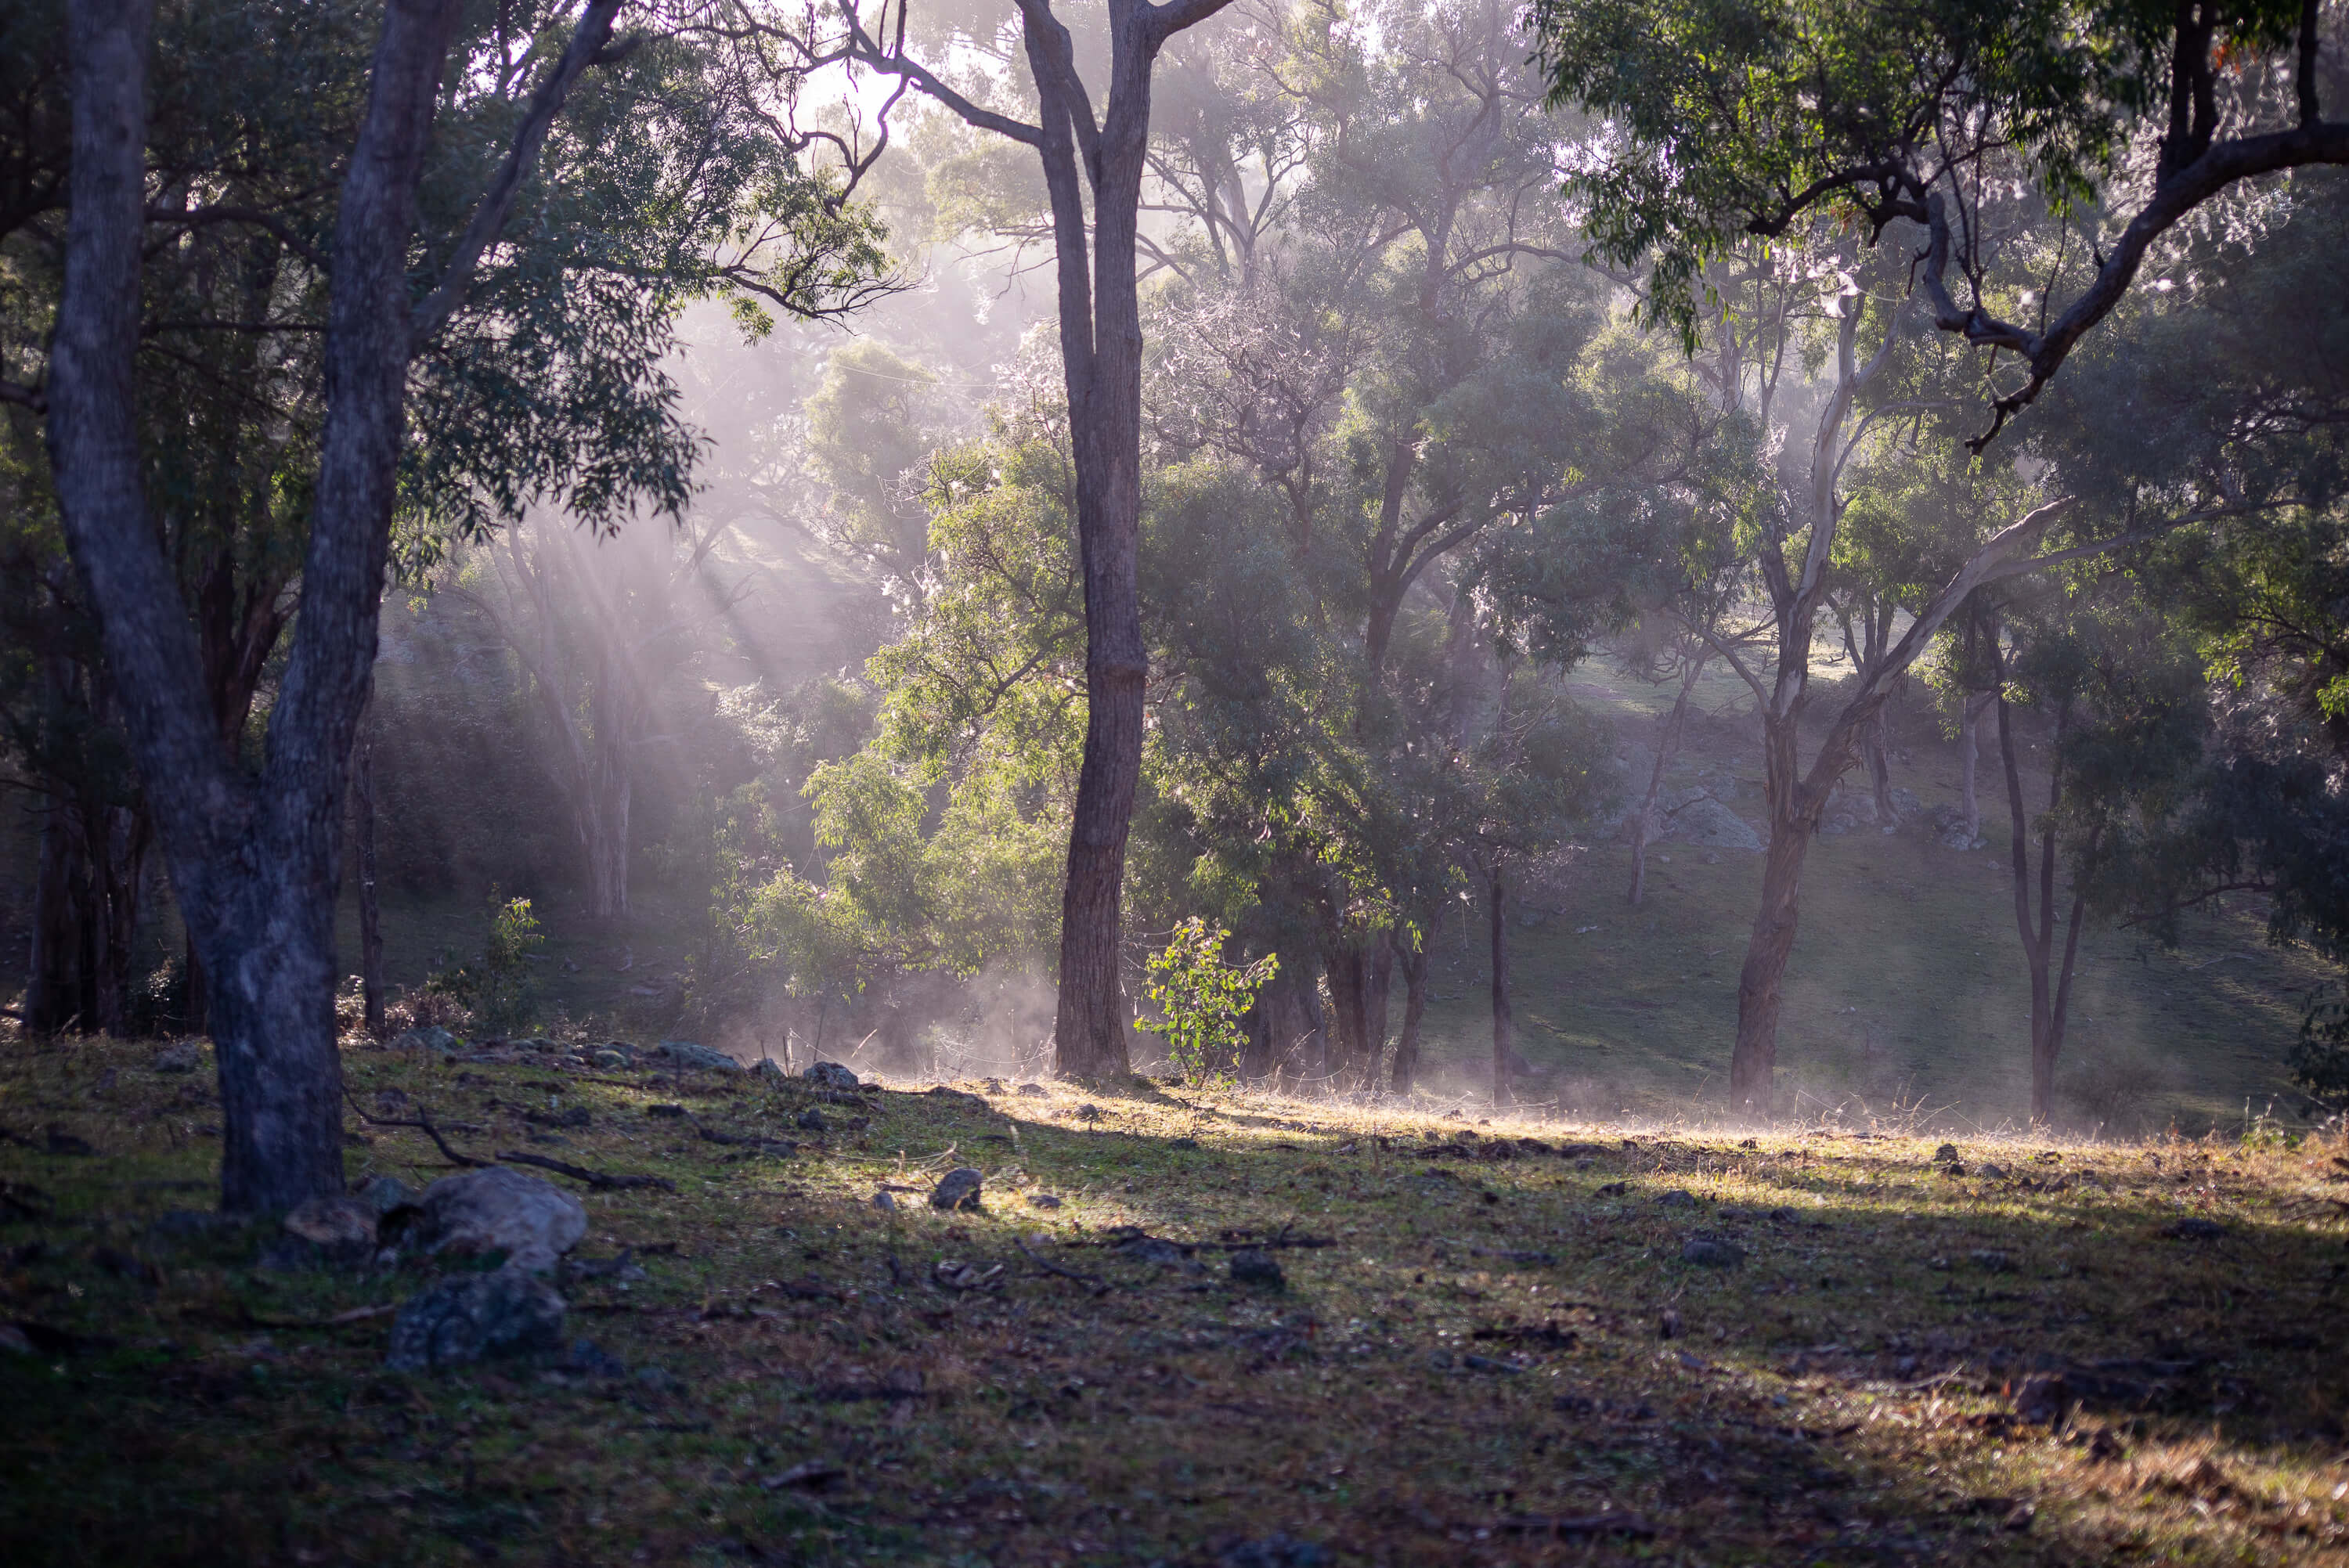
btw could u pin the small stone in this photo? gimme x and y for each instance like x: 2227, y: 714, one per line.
x: 1256, y: 1267
x: 426, y: 1037
x: 337, y: 1224
x: 957, y: 1188
x: 472, y: 1317
x: 1182, y: 1144
x: 1043, y: 1200
x: 1946, y: 1155
x: 1989, y: 1260
x: 768, y: 1067
x: 183, y: 1057
x: 687, y: 1054
x: 830, y: 1074
x: 665, y: 1111
x: 1676, y: 1198
x: 1035, y: 1091
x: 2195, y: 1231
x: 1089, y: 1112
x: 1989, y: 1172
x: 1613, y: 1190
x: 882, y: 1202
x: 812, y: 1120
x: 592, y: 1360
x: 1706, y: 1252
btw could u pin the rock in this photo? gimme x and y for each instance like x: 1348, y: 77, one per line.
x: 1695, y: 817
x: 1035, y: 1091
x: 1256, y: 1267
x: 671, y: 1112
x: 957, y: 1188
x: 830, y: 1074
x: 533, y: 1222
x: 1668, y: 1324
x: 686, y: 1053
x: 340, y: 1225
x: 2195, y: 1231
x: 472, y: 1317
x: 608, y: 1060
x: 1676, y: 1198
x: 1279, y: 1550
x: 1707, y: 1252
x: 1990, y: 1172
x: 590, y: 1360
x: 426, y: 1037
x: 1043, y: 1200
x: 956, y: 1096
x: 769, y: 1069
x: 1989, y: 1260
x: 812, y: 1120
x: 882, y: 1202
x: 1613, y: 1190
x: 537, y: 1043
x: 1946, y: 1155
x: 184, y: 1058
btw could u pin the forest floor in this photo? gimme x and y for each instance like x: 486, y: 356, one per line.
x: 1485, y: 1352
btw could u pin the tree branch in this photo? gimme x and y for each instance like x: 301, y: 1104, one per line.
x: 586, y: 48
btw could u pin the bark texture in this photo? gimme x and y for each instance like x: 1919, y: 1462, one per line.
x: 254, y: 858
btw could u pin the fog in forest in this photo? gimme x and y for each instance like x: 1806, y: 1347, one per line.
x: 1467, y: 551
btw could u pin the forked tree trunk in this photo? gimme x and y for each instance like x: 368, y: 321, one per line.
x: 255, y: 860
x: 1414, y: 1009
x: 1504, y: 1022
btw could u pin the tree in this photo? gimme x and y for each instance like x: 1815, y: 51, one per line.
x: 253, y: 853
x: 1107, y: 153
x: 1752, y: 121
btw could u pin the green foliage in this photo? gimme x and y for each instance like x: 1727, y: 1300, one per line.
x: 497, y: 986
x: 1732, y: 118
x: 1201, y: 999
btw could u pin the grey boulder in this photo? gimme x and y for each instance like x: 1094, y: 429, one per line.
x: 533, y: 1222
x: 686, y: 1053
x: 1706, y: 1252
x: 475, y: 1317
x: 830, y: 1074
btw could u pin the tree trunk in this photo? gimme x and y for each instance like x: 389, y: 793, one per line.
x: 1286, y: 1037
x: 2051, y: 990
x: 253, y: 860
x: 52, y: 993
x: 1969, y: 714
x: 1360, y: 977
x: 118, y: 859
x: 1504, y: 1022
x: 1668, y: 745
x: 371, y: 911
x: 1414, y: 1009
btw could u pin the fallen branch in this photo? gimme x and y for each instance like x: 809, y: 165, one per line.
x: 598, y: 1179
x: 1094, y: 1283
x: 423, y: 1119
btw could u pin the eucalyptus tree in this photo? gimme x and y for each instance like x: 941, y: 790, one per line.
x: 1102, y: 148
x: 448, y: 137
x: 1753, y: 122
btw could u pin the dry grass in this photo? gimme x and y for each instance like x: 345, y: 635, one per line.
x: 1474, y: 1357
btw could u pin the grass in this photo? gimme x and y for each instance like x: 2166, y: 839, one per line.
x: 1476, y: 1355
x: 1906, y: 987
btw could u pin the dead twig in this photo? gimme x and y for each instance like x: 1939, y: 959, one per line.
x: 600, y: 1181
x: 423, y: 1119
x: 1094, y: 1283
